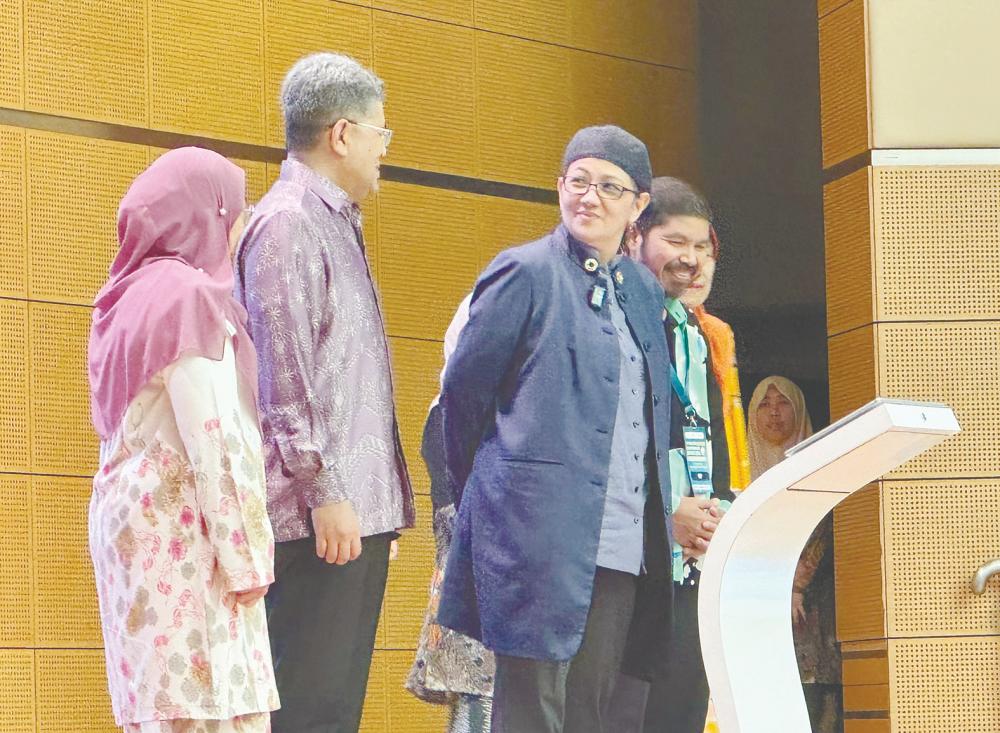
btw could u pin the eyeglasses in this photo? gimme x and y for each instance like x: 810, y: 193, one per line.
x: 605, y: 189
x: 385, y: 132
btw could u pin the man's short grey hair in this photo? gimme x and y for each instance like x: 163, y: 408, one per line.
x: 321, y: 89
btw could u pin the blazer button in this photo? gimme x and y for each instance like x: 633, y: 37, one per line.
x: 658, y: 455
x: 656, y: 399
x: 647, y: 345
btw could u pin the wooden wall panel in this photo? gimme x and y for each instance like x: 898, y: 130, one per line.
x: 63, y: 441
x: 843, y: 77
x: 111, y: 85
x: 938, y: 685
x: 858, y: 566
x: 936, y: 238
x: 71, y: 692
x: 954, y: 364
x: 522, y: 133
x: 850, y: 279
x: 65, y: 595
x: 428, y: 68
x: 15, y: 414
x: 416, y: 367
x: 227, y: 98
x: 74, y: 187
x: 11, y: 54
x: 853, y: 375
x: 13, y: 215
x: 929, y: 592
x: 427, y: 260
x: 17, y: 689
x: 410, y: 574
x: 503, y: 223
x: 16, y: 562
x: 456, y: 12
x: 548, y: 22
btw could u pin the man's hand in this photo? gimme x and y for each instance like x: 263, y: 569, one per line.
x: 694, y: 523
x: 393, y: 550
x: 338, y: 535
x: 249, y: 597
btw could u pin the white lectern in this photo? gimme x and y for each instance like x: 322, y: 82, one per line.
x: 745, y: 595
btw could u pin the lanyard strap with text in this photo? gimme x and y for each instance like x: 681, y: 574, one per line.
x: 696, y: 443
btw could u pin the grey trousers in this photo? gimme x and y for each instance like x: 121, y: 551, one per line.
x: 677, y: 703
x: 533, y: 696
x: 322, y: 620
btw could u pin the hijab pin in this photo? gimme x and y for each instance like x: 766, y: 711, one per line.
x: 590, y: 264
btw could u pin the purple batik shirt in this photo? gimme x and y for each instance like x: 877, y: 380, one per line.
x: 326, y: 402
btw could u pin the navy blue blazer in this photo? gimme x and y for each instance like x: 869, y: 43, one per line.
x: 529, y: 402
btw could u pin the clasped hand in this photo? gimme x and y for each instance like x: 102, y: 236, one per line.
x: 695, y: 522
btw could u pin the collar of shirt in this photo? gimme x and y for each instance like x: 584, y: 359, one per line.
x: 328, y: 192
x: 676, y: 310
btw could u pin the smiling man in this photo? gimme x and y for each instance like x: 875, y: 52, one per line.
x: 676, y: 244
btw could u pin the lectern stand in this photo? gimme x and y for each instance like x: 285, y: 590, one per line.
x: 745, y: 594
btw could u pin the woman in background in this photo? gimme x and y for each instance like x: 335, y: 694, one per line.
x: 778, y: 420
x: 179, y: 534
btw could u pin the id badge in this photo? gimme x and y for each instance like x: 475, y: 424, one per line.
x: 696, y: 447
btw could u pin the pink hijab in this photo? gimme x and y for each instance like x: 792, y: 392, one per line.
x: 169, y: 293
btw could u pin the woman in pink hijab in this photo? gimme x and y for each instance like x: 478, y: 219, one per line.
x: 179, y: 534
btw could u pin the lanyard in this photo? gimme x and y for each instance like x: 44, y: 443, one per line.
x: 682, y: 394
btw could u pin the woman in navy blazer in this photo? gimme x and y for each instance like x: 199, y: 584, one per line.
x: 563, y: 362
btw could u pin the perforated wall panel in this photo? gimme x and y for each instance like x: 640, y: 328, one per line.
x: 406, y: 712
x: 13, y: 253
x: 63, y: 440
x: 11, y: 55
x: 548, y: 22
x: 952, y: 363
x: 928, y: 592
x: 74, y: 187
x: 72, y: 692
x: 406, y: 592
x: 945, y: 685
x: 522, y: 131
x: 15, y: 436
x: 858, y: 567
x: 921, y: 214
x: 430, y: 69
x: 294, y: 28
x: 65, y: 597
x: 369, y: 229
x: 256, y: 178
x: 849, y: 268
x: 416, y: 366
x: 17, y: 689
x: 843, y: 82
x: 227, y: 100
x: 853, y: 374
x: 16, y: 558
x: 823, y: 7
x: 426, y: 258
x: 503, y: 223
x: 111, y: 85
x: 651, y: 30
x: 375, y: 714
x: 458, y: 12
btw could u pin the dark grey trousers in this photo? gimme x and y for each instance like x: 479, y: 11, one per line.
x: 532, y: 696
x: 677, y: 703
x: 322, y: 620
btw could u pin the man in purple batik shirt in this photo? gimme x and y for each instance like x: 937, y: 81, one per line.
x: 338, y: 489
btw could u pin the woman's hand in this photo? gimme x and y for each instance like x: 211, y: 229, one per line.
x: 249, y: 597
x: 798, y: 608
